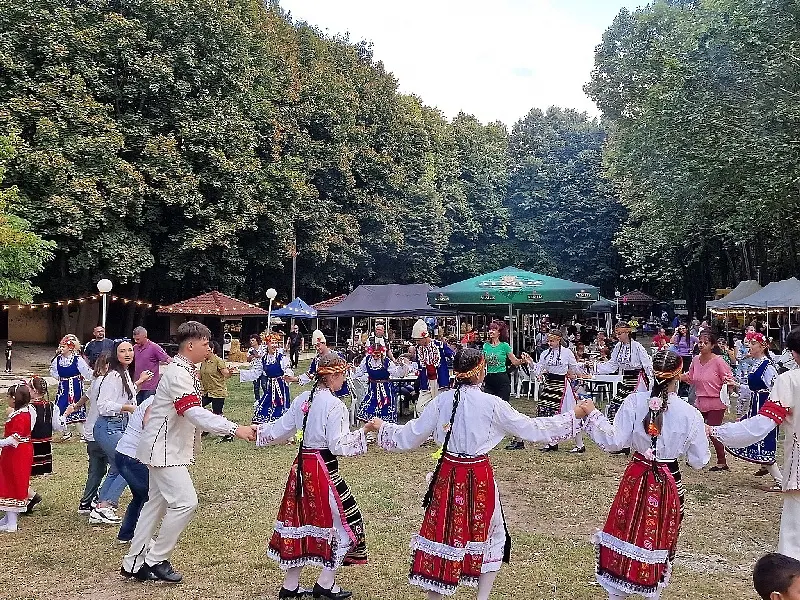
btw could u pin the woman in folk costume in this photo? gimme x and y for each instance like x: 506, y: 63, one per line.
x: 431, y: 358
x: 321, y: 344
x: 48, y: 419
x: 275, y: 366
x: 16, y: 457
x: 637, y: 545
x: 319, y: 522
x: 779, y: 409
x: 70, y: 369
x: 634, y: 364
x: 556, y: 395
x: 463, y: 539
x: 759, y: 380
x: 381, y: 398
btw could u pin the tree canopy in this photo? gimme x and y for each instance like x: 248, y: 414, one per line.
x: 181, y: 146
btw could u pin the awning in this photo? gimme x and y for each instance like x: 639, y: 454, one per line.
x: 392, y: 300
x: 296, y: 309
x: 743, y: 290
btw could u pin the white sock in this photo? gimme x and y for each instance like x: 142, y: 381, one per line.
x: 776, y: 473
x: 11, y: 522
x: 579, y: 440
x: 485, y: 583
x: 291, y: 581
x: 327, y: 579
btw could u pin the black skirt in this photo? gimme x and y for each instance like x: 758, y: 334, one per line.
x: 42, y: 458
x: 498, y: 384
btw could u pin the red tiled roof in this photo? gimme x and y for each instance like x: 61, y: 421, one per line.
x: 637, y: 297
x: 213, y: 303
x: 329, y: 302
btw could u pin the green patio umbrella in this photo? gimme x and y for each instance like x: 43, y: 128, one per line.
x: 515, y: 287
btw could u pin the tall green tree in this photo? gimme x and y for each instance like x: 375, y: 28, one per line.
x: 23, y: 253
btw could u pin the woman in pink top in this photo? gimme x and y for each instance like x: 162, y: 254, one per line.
x: 708, y: 373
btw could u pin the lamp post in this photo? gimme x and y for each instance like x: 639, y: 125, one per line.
x: 271, y: 294
x: 617, y: 295
x: 104, y: 286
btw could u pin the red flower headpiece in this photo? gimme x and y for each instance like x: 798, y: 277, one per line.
x: 755, y: 336
x: 376, y: 350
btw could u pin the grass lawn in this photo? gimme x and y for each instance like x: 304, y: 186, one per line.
x: 553, y: 503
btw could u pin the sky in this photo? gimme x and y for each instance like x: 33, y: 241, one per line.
x: 495, y: 59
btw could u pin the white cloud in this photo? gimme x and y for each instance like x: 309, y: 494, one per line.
x: 496, y: 60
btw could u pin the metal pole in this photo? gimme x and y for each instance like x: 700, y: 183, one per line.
x: 294, y: 281
x: 336, y: 333
x: 104, y: 309
x: 511, y: 326
x: 269, y: 318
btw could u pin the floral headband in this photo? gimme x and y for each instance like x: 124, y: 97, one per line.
x: 334, y: 369
x: 376, y: 350
x: 69, y: 341
x: 755, y: 336
x: 473, y: 372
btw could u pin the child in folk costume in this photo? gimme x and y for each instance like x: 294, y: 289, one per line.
x: 555, y: 366
x: 634, y: 364
x: 319, y: 522
x: 431, y: 358
x: 276, y: 366
x: 463, y: 539
x: 70, y: 369
x: 16, y: 457
x: 760, y: 378
x: 48, y: 419
x: 637, y: 545
x: 747, y: 433
x: 381, y: 398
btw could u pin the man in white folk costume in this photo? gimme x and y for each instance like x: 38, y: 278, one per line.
x: 778, y: 410
x: 167, y: 448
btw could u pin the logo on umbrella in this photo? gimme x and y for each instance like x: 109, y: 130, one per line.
x: 511, y: 282
x: 441, y: 299
x: 535, y: 296
x: 583, y: 295
x: 487, y: 297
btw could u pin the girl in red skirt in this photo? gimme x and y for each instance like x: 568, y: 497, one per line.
x: 319, y: 522
x: 16, y: 457
x: 636, y: 547
x: 463, y: 538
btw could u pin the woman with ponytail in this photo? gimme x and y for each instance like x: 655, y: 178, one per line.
x: 319, y: 522
x: 16, y: 458
x: 637, y: 545
x: 463, y: 538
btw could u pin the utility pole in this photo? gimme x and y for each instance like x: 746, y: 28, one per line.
x: 294, y: 274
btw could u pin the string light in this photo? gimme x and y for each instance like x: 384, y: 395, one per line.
x: 95, y: 298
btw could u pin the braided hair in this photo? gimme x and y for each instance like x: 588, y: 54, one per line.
x: 327, y: 364
x: 667, y: 366
x: 21, y: 395
x: 468, y: 364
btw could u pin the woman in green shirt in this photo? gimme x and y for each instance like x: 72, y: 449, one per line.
x: 496, y: 351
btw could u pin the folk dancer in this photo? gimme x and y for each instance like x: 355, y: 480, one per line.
x: 16, y: 457
x: 48, y: 419
x: 633, y: 362
x: 431, y: 358
x: 70, y: 369
x: 779, y: 409
x: 636, y: 547
x: 167, y: 447
x: 759, y: 382
x: 464, y: 539
x: 556, y: 366
x: 381, y: 398
x: 276, y: 366
x: 319, y: 522
x: 254, y: 354
x: 347, y: 392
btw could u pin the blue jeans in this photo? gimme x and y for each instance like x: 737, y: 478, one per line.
x: 98, y: 465
x: 138, y: 478
x: 107, y: 432
x: 143, y: 395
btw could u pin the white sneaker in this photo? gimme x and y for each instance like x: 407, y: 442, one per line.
x: 106, y: 515
x: 66, y: 435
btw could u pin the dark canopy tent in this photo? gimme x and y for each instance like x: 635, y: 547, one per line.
x: 392, y: 300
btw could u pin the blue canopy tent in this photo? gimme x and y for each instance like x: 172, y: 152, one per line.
x: 296, y: 309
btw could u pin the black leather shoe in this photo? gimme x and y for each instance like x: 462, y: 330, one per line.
x: 143, y: 574
x: 321, y: 592
x: 553, y: 448
x: 165, y: 572
x: 125, y: 574
x: 625, y: 451
x: 33, y: 502
x: 298, y: 593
